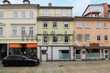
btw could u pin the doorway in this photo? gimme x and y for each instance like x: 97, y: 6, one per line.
x: 3, y: 51
x: 77, y: 54
x: 44, y: 54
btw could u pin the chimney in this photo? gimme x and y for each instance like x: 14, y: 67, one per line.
x: 6, y: 2
x: 26, y: 2
x: 50, y: 4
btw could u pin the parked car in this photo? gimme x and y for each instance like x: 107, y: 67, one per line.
x: 17, y: 60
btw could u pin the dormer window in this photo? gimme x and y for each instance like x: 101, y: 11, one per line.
x: 26, y: 1
x: 6, y: 2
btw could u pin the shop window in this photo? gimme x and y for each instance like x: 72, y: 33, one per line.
x: 64, y: 54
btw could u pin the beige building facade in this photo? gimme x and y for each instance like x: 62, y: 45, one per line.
x: 18, y: 29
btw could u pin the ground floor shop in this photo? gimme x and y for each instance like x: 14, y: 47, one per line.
x: 27, y: 49
x: 92, y: 53
x: 70, y: 53
x: 55, y: 53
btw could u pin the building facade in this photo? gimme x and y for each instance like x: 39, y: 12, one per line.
x: 32, y: 30
x: 50, y: 33
x: 18, y: 29
x: 92, y: 37
x: 55, y: 36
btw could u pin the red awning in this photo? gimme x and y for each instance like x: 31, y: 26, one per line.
x: 31, y: 45
x: 15, y: 45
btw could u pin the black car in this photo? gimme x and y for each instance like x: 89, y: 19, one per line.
x: 17, y: 60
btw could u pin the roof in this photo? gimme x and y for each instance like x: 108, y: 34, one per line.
x: 46, y: 18
x: 18, y: 6
x: 83, y: 18
x: 56, y: 7
x: 92, y: 5
x: 27, y: 6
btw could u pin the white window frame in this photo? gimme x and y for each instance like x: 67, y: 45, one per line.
x: 13, y: 31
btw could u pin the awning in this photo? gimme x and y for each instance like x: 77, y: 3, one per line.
x: 15, y: 45
x: 31, y: 45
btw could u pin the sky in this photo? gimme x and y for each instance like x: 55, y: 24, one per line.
x: 79, y: 5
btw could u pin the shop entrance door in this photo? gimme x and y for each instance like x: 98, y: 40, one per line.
x: 3, y: 51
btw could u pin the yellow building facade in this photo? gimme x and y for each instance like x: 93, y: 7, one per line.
x: 55, y: 33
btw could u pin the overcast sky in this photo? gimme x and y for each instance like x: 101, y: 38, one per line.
x: 79, y: 5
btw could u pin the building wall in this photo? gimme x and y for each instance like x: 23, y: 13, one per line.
x: 9, y: 20
x: 60, y: 29
x: 55, y: 12
x: 93, y: 32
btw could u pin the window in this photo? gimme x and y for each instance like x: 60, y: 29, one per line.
x: 106, y: 26
x: 79, y: 37
x: 45, y: 25
x: 99, y: 26
x: 23, y: 14
x: 31, y: 31
x: 14, y: 31
x: 55, y: 39
x: 98, y: 37
x: 45, y: 12
x: 23, y: 32
x: 1, y: 14
x: 64, y: 54
x: 54, y: 24
x: 66, y: 25
x: 80, y: 25
x: 87, y: 37
x: 31, y: 14
x: 45, y: 39
x: 105, y: 37
x: 15, y: 14
x: 66, y: 38
x: 1, y: 31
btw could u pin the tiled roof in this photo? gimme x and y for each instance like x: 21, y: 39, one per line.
x: 18, y: 6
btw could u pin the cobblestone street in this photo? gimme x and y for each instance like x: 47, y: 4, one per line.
x: 62, y: 67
